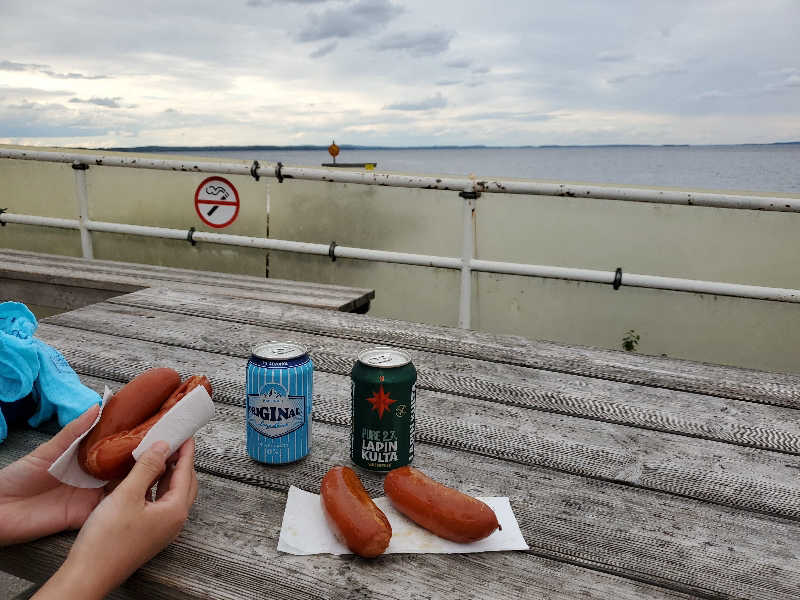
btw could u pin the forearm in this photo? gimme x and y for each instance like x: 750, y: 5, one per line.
x: 73, y: 581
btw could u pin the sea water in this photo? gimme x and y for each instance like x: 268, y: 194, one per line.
x: 762, y: 168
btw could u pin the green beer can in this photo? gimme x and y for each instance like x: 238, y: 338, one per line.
x: 383, y: 394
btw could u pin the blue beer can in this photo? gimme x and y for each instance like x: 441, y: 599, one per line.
x: 278, y: 403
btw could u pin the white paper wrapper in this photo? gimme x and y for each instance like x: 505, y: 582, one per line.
x: 305, y: 531
x: 180, y: 423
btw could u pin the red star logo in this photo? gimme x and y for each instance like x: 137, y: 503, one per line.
x: 380, y: 402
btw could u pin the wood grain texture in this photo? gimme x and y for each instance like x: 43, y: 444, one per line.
x: 714, y: 380
x: 228, y: 550
x: 634, y: 532
x: 681, y: 544
x: 720, y: 419
x: 720, y: 473
x: 96, y: 275
x: 658, y: 496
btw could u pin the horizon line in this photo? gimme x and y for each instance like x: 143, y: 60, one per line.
x: 242, y: 147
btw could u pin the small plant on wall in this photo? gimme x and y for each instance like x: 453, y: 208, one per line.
x: 630, y: 341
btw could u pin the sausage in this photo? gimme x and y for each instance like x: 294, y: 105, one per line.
x: 440, y: 509
x: 127, y: 417
x: 352, y: 515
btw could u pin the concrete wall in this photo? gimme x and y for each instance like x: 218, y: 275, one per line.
x: 134, y: 196
x: 701, y: 243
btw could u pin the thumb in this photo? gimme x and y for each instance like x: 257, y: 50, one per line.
x: 147, y: 469
x: 56, y: 446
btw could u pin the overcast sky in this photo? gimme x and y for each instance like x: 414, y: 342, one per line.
x: 399, y: 72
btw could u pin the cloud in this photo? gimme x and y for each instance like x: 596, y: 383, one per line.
x: 791, y: 78
x: 38, y: 120
x: 655, y: 72
x: 323, y: 50
x: 459, y: 63
x: 19, y: 92
x: 788, y: 79
x: 425, y: 43
x: 481, y: 70
x: 72, y: 75
x: 15, y: 129
x: 437, y: 101
x: 262, y: 3
x: 612, y: 56
x: 28, y: 105
x: 7, y: 65
x: 508, y: 115
x: 348, y: 21
x: 448, y: 82
x: 714, y: 95
x: 107, y: 102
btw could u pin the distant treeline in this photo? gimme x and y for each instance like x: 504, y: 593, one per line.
x: 357, y: 147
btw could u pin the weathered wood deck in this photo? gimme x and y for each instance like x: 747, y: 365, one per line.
x: 631, y: 476
x: 65, y: 282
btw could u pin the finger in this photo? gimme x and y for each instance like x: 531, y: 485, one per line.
x: 192, y: 492
x: 192, y: 496
x: 147, y: 470
x: 181, y: 477
x: 55, y: 447
x: 165, y: 482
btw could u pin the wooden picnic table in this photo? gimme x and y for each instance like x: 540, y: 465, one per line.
x: 630, y: 476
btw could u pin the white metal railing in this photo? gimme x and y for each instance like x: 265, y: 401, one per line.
x: 469, y: 189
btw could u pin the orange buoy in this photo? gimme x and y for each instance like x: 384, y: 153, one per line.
x: 333, y: 150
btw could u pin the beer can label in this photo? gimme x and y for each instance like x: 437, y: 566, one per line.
x: 383, y: 403
x: 278, y: 409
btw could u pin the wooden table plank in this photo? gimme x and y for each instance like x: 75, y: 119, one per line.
x: 96, y: 276
x: 627, y: 367
x: 720, y: 473
x: 720, y: 419
x: 693, y: 546
x: 228, y: 550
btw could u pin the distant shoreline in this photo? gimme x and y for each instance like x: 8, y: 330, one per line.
x: 472, y: 147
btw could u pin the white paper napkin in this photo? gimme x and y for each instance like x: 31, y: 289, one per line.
x: 179, y: 423
x: 305, y: 531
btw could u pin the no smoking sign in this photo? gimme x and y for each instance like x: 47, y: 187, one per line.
x: 216, y: 202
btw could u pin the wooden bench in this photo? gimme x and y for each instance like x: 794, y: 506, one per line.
x: 67, y: 283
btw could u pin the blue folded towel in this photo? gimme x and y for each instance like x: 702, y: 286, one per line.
x: 30, y: 370
x: 19, y: 360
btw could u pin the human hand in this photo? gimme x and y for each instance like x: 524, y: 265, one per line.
x: 127, y: 529
x: 33, y: 503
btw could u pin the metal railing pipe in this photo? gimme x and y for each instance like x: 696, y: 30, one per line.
x: 644, y: 281
x: 282, y: 245
x: 133, y: 161
x: 712, y: 287
x: 444, y: 262
x: 403, y: 258
x: 548, y: 272
x: 214, y: 238
x: 41, y: 221
x: 491, y: 185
